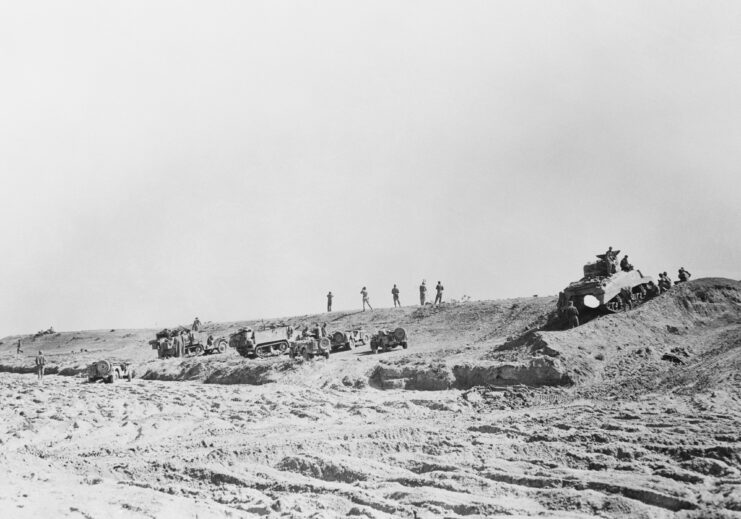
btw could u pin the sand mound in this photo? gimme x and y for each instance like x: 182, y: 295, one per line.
x: 673, y: 339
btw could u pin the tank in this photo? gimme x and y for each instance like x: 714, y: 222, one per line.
x: 607, y: 288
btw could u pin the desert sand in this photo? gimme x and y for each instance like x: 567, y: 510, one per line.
x: 492, y: 412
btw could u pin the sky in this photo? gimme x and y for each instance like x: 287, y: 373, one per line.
x: 162, y: 160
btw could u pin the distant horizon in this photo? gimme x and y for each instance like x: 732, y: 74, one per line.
x: 284, y: 317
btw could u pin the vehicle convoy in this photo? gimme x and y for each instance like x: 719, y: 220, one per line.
x: 109, y: 372
x: 310, y: 347
x: 194, y: 343
x: 262, y: 343
x: 348, y: 339
x: 385, y: 340
x: 606, y: 288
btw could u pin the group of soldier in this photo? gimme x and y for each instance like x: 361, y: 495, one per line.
x: 395, y: 296
x: 178, y: 340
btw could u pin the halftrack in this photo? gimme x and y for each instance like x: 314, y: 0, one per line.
x: 262, y: 343
x: 385, y: 340
x: 109, y: 372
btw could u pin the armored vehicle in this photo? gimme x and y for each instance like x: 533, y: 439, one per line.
x: 262, y: 343
x: 387, y: 339
x: 606, y: 288
x: 194, y: 343
x: 349, y: 339
x: 109, y: 372
x: 310, y: 347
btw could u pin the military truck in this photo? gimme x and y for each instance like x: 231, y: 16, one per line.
x: 194, y: 343
x: 348, y: 339
x: 267, y: 342
x: 310, y: 347
x: 385, y: 340
x: 605, y: 288
x: 109, y: 372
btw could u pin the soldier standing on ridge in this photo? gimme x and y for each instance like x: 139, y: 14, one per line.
x: 439, y: 289
x: 329, y: 301
x: 395, y: 293
x: 18, y: 349
x: 572, y: 314
x: 196, y: 325
x: 366, y: 301
x: 40, y: 363
x: 422, y: 293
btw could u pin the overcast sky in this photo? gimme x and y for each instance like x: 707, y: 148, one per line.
x: 232, y: 160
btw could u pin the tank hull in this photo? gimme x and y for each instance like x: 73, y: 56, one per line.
x: 604, y: 292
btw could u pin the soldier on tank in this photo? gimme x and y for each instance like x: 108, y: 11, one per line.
x: 366, y: 301
x: 422, y: 293
x: 329, y: 301
x: 625, y: 265
x: 395, y: 294
x: 684, y: 276
x: 572, y: 315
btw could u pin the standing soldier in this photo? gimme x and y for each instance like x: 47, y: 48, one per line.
x: 329, y: 301
x: 196, y: 325
x: 439, y: 289
x: 395, y: 293
x: 422, y: 293
x: 177, y: 344
x: 40, y: 363
x: 324, y: 330
x: 18, y: 349
x: 572, y: 314
x: 366, y: 301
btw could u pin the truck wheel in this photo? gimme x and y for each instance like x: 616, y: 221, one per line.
x: 351, y: 344
x: 221, y: 346
x: 198, y: 350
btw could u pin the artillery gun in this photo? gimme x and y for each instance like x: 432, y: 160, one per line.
x: 109, y: 372
x: 606, y: 288
x: 262, y: 343
x: 387, y: 339
x: 348, y: 339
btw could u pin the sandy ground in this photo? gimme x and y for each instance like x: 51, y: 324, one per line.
x: 632, y: 434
